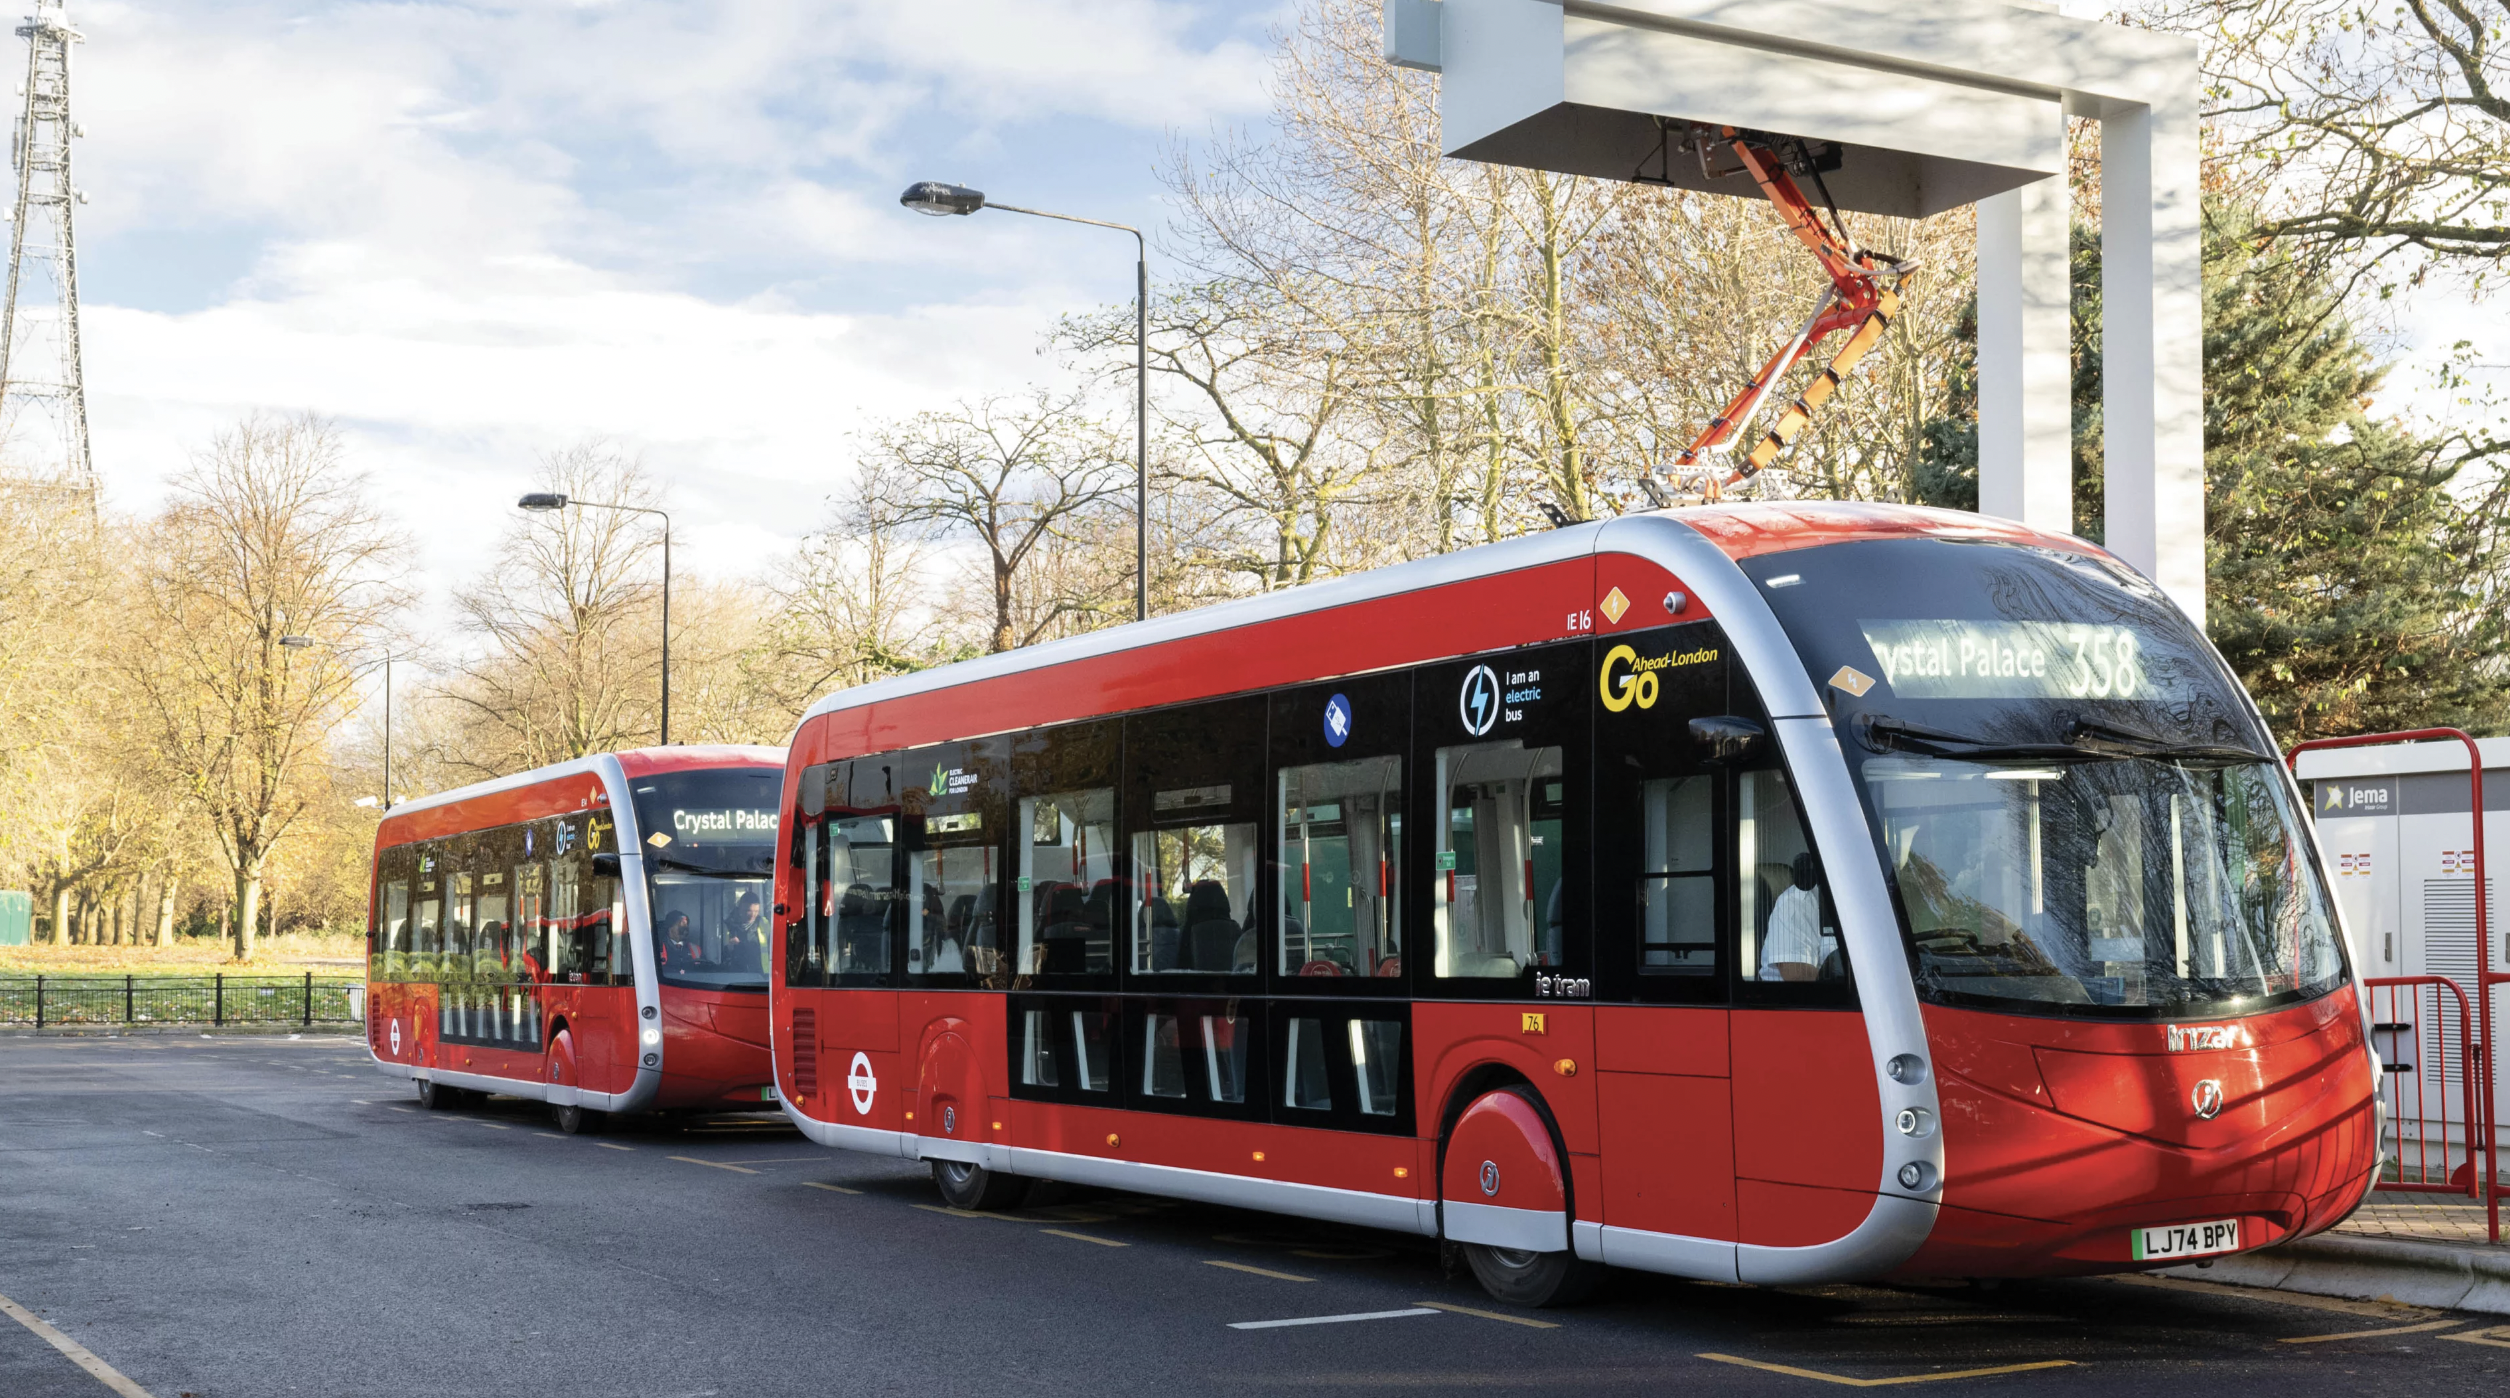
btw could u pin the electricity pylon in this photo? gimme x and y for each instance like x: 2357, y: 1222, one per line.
x: 43, y: 396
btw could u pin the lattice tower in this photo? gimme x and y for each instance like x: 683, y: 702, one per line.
x: 43, y: 395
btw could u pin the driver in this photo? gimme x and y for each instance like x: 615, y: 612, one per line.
x: 1792, y: 948
x: 675, y: 947
x: 745, y: 934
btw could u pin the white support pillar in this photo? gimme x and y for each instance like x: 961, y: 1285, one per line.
x: 2025, y: 379
x: 2153, y: 347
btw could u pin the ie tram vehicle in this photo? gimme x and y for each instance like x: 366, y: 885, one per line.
x: 591, y: 934
x: 1767, y: 893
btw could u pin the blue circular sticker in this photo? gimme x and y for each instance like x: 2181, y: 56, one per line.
x: 1337, y: 721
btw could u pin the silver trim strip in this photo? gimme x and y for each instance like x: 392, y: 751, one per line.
x: 508, y: 1087
x: 858, y: 1138
x: 1395, y: 1213
x: 1675, y: 1255
x: 1495, y: 1225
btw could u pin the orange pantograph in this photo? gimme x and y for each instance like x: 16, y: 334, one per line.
x: 1858, y: 301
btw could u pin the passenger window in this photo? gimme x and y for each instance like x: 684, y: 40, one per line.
x: 954, y: 824
x: 856, y: 852
x: 1305, y: 1083
x: 1377, y: 1058
x: 1064, y: 889
x: 1341, y: 845
x: 1194, y: 1051
x: 1500, y: 892
x: 1197, y: 909
x: 1193, y: 795
x: 1789, y: 931
x: 1037, y: 1049
x: 426, y: 929
x: 531, y: 923
x: 1067, y: 883
x: 392, y: 952
x: 1678, y: 877
x: 1093, y: 1057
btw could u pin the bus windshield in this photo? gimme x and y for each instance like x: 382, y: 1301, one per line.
x: 2077, y: 812
x: 710, y: 848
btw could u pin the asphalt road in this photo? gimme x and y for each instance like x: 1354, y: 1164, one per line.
x: 238, y: 1217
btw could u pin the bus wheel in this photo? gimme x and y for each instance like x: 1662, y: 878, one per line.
x: 575, y: 1120
x: 1532, y: 1278
x: 437, y: 1099
x: 973, y: 1187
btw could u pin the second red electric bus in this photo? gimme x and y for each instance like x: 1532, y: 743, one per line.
x: 591, y: 934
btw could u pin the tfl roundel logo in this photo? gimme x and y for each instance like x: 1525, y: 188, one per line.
x: 1337, y: 721
x: 1479, y: 701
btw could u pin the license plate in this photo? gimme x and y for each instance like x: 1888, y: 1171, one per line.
x: 767, y: 1093
x: 2185, y: 1239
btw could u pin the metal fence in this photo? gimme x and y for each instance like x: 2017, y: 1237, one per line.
x: 47, y: 1002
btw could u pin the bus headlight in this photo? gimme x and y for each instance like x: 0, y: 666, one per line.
x: 1906, y: 1069
x: 1917, y: 1177
x: 1914, y: 1121
x: 652, y: 1037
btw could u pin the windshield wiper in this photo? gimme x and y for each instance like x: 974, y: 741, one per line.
x: 2086, y: 740
x: 1884, y: 734
x: 2109, y: 740
x: 708, y: 870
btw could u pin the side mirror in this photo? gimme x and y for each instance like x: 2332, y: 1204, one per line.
x: 814, y: 795
x: 605, y: 866
x: 1726, y: 739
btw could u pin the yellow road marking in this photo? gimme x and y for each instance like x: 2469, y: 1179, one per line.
x: 2372, y: 1334
x: 710, y: 1164
x: 552, y: 1135
x: 1819, y: 1376
x: 400, y: 1109
x: 1490, y: 1315
x: 612, y: 1145
x: 959, y: 1213
x: 2376, y: 1310
x: 495, y: 1125
x: 78, y: 1354
x: 2485, y: 1336
x: 1258, y: 1271
x: 831, y: 1188
x: 1084, y: 1238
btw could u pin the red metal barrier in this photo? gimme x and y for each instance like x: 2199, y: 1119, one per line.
x: 2415, y: 1021
x: 2480, y: 1070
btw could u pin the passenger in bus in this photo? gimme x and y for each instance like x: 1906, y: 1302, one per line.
x: 1791, y: 950
x: 745, y: 935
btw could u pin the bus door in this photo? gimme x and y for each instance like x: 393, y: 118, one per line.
x: 1665, y: 895
x: 859, y: 864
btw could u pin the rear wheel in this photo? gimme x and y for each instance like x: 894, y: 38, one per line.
x: 965, y: 1186
x: 1532, y: 1278
x: 436, y: 1098
x: 575, y: 1120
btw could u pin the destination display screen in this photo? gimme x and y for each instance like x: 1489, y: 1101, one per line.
x: 1991, y: 659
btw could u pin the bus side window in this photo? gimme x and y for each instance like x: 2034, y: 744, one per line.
x: 1789, y: 932
x: 1193, y: 798
x: 393, y: 931
x: 1063, y: 898
x: 1677, y: 880
x: 860, y: 854
x: 1499, y: 894
x: 426, y: 931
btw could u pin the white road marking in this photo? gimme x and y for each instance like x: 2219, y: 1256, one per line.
x: 97, y: 1369
x: 1329, y: 1319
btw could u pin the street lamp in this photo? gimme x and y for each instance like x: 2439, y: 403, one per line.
x: 304, y: 642
x: 943, y: 200
x: 544, y: 500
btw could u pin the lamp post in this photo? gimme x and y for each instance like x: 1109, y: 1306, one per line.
x: 944, y: 200
x: 303, y: 642
x: 541, y: 500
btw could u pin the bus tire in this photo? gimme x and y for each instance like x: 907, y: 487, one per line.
x: 1535, y: 1279
x: 977, y: 1189
x: 574, y: 1120
x: 434, y: 1098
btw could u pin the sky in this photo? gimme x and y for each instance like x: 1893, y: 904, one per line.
x: 475, y: 233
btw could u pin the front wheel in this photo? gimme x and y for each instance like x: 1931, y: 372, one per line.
x: 574, y: 1120
x: 1534, y: 1279
x: 435, y: 1098
x: 975, y: 1188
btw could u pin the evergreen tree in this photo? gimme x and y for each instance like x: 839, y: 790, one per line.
x: 2353, y: 580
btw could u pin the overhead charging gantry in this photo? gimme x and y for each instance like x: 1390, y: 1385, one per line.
x: 1863, y: 296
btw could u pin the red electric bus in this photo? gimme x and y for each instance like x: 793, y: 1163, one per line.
x: 1766, y: 893
x: 589, y: 934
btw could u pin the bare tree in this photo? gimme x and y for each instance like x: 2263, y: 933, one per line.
x: 1008, y: 475
x: 854, y: 603
x: 2362, y: 129
x: 568, y: 617
x: 267, y: 535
